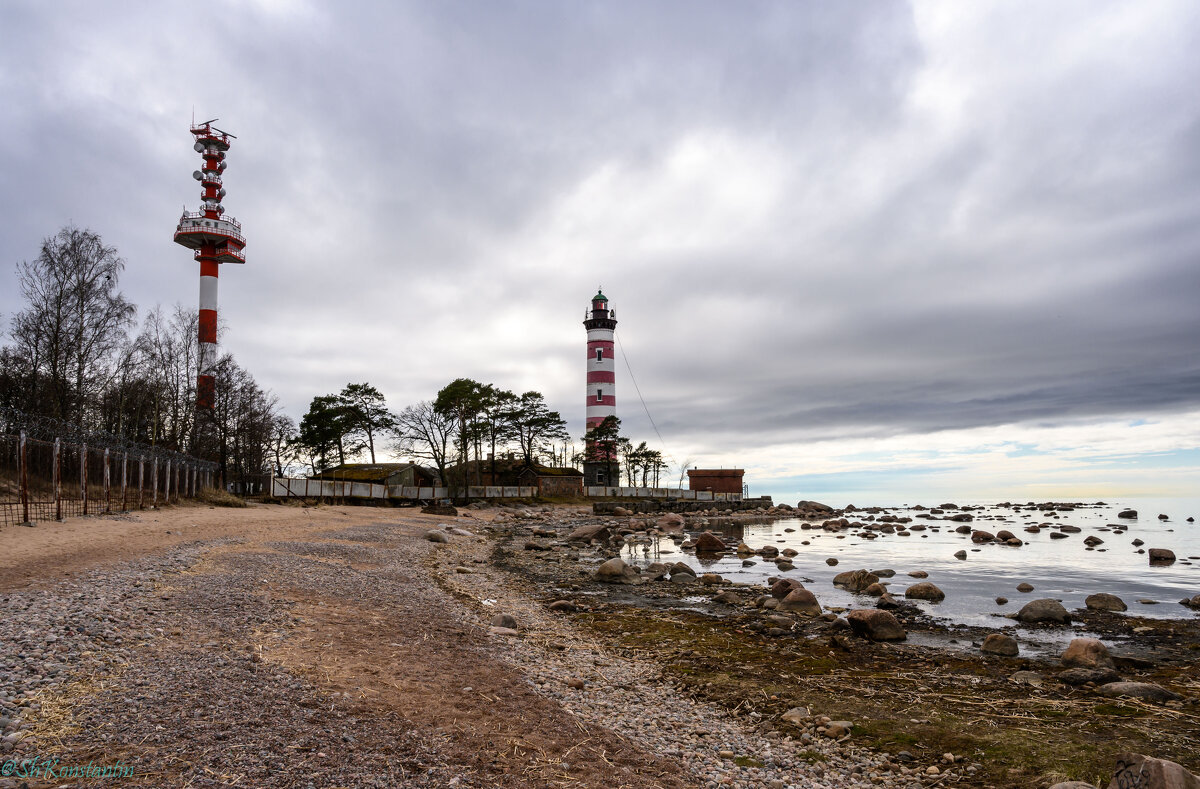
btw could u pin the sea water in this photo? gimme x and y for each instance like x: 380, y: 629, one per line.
x: 1057, y: 568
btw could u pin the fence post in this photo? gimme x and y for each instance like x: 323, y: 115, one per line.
x: 154, y: 483
x: 141, y: 482
x: 83, y: 459
x: 58, y: 479
x: 24, y: 481
x: 125, y: 481
x: 107, y: 480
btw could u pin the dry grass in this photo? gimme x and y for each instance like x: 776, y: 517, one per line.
x: 219, y: 498
x: 55, y: 721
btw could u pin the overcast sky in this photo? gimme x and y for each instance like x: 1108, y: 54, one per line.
x: 863, y: 248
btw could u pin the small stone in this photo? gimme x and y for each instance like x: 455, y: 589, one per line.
x: 797, y: 716
x: 504, y: 620
x: 838, y: 729
x: 502, y: 631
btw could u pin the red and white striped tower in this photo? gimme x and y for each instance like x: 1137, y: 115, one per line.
x: 217, y: 239
x: 601, y: 323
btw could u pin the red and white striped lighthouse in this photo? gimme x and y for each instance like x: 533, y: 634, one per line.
x: 217, y: 239
x: 601, y: 323
x: 601, y: 398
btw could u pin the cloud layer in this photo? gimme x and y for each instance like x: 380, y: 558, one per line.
x: 816, y: 222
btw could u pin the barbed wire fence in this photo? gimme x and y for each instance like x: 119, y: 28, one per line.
x: 51, y: 470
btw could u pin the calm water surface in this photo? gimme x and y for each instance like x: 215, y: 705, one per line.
x: 1062, y: 568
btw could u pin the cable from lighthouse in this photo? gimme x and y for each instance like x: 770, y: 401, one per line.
x: 638, y: 389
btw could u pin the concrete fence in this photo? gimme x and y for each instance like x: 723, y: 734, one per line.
x: 301, y: 488
x: 600, y: 492
x: 288, y: 487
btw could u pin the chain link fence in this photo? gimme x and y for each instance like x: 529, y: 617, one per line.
x: 50, y: 470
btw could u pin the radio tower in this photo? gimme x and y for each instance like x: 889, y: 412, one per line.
x: 217, y: 239
x: 601, y: 397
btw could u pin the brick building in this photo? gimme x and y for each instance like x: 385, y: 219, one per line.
x: 723, y: 480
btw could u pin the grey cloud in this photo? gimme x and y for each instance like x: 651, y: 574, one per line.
x: 393, y: 162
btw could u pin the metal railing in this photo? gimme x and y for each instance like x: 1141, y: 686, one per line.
x: 200, y: 215
x: 192, y: 224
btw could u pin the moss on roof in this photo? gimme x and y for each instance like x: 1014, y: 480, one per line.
x: 363, y: 472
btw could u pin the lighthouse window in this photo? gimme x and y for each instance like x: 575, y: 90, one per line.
x: 599, y: 395
x: 599, y: 354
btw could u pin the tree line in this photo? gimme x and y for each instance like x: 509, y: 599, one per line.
x: 462, y: 432
x: 463, y: 422
x: 77, y: 352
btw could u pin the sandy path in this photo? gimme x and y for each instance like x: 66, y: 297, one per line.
x: 277, y: 646
x: 45, y: 552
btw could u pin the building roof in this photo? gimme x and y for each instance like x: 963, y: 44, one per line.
x: 717, y: 472
x: 599, y: 296
x: 363, y: 472
x: 552, y: 471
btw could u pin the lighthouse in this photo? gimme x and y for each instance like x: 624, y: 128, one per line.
x: 601, y: 323
x: 216, y: 239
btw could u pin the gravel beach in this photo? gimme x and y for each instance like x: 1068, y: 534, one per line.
x: 281, y: 646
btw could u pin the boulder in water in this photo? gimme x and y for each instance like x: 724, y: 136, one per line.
x: 925, y: 591
x: 855, y: 580
x: 1103, y: 601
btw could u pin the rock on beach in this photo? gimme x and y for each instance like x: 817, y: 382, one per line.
x: 616, y: 571
x: 876, y: 625
x: 1000, y: 644
x: 1138, y: 690
x: 1143, y: 771
x: 1087, y: 653
x: 1044, y: 610
x: 801, y: 601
